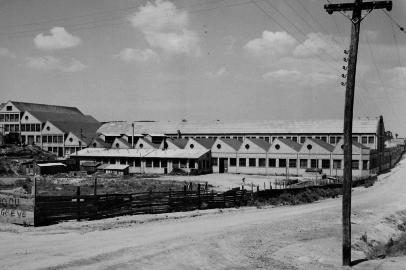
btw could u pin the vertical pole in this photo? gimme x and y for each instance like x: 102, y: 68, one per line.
x: 95, y: 186
x: 78, y: 202
x: 348, y: 116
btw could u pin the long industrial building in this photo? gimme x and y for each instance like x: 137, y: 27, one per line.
x: 267, y: 147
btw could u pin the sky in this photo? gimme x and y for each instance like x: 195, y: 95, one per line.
x: 201, y: 59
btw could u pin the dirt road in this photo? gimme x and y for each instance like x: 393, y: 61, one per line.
x: 289, y: 237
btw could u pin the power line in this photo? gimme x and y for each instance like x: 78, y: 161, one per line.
x: 401, y: 28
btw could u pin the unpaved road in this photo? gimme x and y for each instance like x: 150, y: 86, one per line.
x: 289, y: 237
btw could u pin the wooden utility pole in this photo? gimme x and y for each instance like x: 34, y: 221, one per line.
x: 357, y: 7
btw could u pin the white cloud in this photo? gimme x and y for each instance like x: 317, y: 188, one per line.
x: 58, y: 39
x: 223, y: 71
x: 275, y: 44
x: 138, y: 55
x: 316, y: 44
x: 4, y: 52
x: 296, y: 77
x: 49, y: 63
x: 166, y: 27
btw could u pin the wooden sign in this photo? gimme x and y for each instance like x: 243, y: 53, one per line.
x: 16, y: 208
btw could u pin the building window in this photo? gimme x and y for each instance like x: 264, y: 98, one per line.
x: 38, y: 127
x: 17, y: 117
x: 11, y: 117
x: 337, y: 163
x: 364, y: 139
x: 44, y: 139
x: 148, y: 163
x: 192, y: 163
x: 156, y: 163
x: 22, y: 127
x: 252, y: 162
x: 141, y: 145
x: 273, y: 138
x: 371, y: 139
x: 191, y: 146
x: 277, y: 146
x: 247, y: 146
x: 17, y: 128
x: 261, y: 162
x: 164, y: 163
x: 215, y: 161
x: 233, y: 162
x: 94, y: 144
x: 282, y: 163
x: 26, y: 117
x: 294, y: 139
x: 9, y: 108
x: 332, y: 140
x: 117, y: 145
x: 325, y: 164
x: 49, y: 149
x: 49, y: 139
x: 314, y: 163
x: 242, y: 162
x: 218, y: 146
x: 60, y: 139
x: 38, y: 139
x: 70, y: 139
x: 267, y: 139
x: 1, y: 117
x: 183, y: 163
x: 6, y: 128
x: 355, y: 165
x: 292, y: 163
x: 302, y: 139
x: 122, y: 161
x: 303, y: 163
x: 12, y: 129
x: 48, y: 128
x: 365, y: 164
x: 7, y: 118
x: 355, y: 139
x: 338, y: 139
x: 309, y: 147
x: 272, y: 162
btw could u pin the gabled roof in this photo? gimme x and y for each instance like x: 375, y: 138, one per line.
x: 261, y: 143
x: 180, y: 142
x: 154, y: 145
x: 62, y: 117
x: 121, y: 140
x: 101, y: 142
x: 144, y: 153
x: 359, y: 145
x: 207, y: 143
x: 26, y: 106
x: 84, y: 130
x: 234, y: 143
x: 323, y: 144
x: 292, y: 144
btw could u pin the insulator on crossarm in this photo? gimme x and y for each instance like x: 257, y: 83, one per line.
x: 345, y: 51
x: 343, y: 75
x: 345, y: 67
x: 345, y: 59
x: 343, y: 83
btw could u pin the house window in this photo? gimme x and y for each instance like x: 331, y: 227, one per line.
x: 148, y: 163
x: 273, y: 138
x: 294, y: 139
x: 338, y: 139
x: 365, y: 164
x: 282, y: 163
x: 117, y: 145
x: 355, y: 139
x: 192, y: 163
x: 12, y: 129
x: 261, y: 162
x: 38, y: 139
x: 164, y: 163
x: 38, y: 127
x: 48, y: 128
x: 325, y: 164
x: 272, y: 162
x: 355, y: 165
x: 183, y: 163
x: 303, y: 163
x: 70, y: 139
x: 309, y: 147
x: 242, y: 162
x: 156, y: 163
x: 324, y: 138
x: 11, y: 117
x: 44, y: 139
x: 214, y: 161
x: 371, y: 139
x: 9, y: 108
x: 267, y: 139
x: 137, y: 162
x: 17, y: 117
x: 141, y: 145
x: 218, y: 146
x: 26, y: 117
x: 277, y: 146
x: 54, y: 139
x: 6, y: 128
x: 252, y: 162
x: 313, y: 163
x: 60, y: 139
x: 332, y: 140
x: 49, y: 139
x: 247, y: 146
x: 233, y: 162
x: 94, y: 144
x: 289, y: 138
x: 7, y: 118
x: 17, y: 128
x: 302, y: 139
x: 337, y: 163
x: 1, y: 117
x: 122, y: 161
x: 292, y: 163
x: 364, y: 139
x: 191, y: 146
x: 22, y: 127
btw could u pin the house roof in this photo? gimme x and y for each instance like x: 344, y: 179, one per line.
x: 145, y: 153
x: 292, y: 144
x: 101, y: 142
x: 154, y: 145
x: 207, y: 143
x: 118, y: 167
x: 26, y: 106
x: 50, y: 164
x: 359, y: 145
x: 233, y: 143
x: 61, y: 117
x: 323, y: 144
x: 124, y: 142
x: 84, y: 130
x: 363, y: 125
x: 261, y: 143
x: 181, y: 143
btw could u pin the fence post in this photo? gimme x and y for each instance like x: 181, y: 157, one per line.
x: 198, y: 196
x: 95, y: 186
x: 78, y: 202
x: 169, y: 200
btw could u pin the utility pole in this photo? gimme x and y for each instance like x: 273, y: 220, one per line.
x: 357, y: 7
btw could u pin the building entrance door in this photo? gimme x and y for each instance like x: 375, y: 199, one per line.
x: 223, y: 166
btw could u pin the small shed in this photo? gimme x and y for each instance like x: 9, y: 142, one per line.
x: 50, y: 168
x: 118, y: 169
x: 89, y: 166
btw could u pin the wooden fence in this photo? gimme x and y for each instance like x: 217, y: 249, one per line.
x: 51, y: 209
